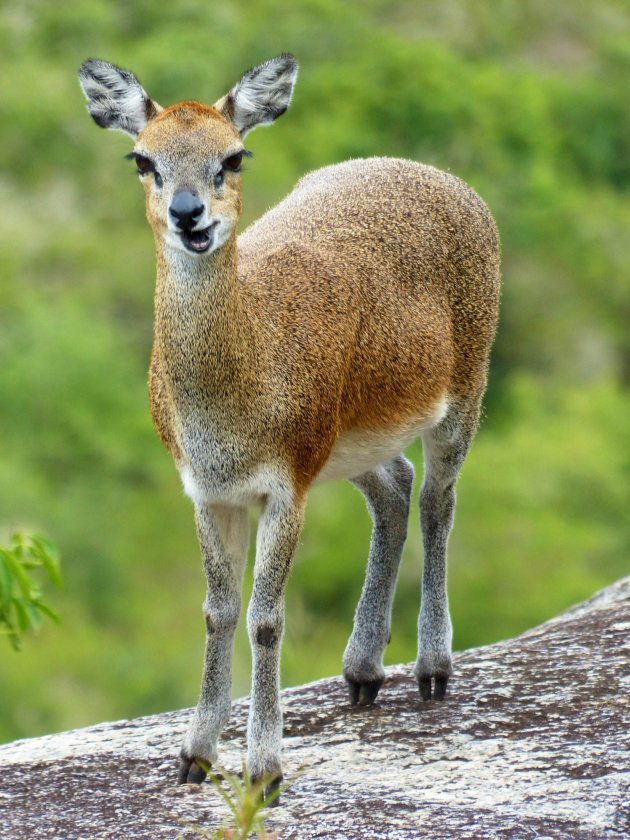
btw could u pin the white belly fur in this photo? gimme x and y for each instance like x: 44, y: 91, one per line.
x: 357, y: 452
x: 266, y: 481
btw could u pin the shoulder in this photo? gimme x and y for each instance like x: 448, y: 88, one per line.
x: 290, y: 258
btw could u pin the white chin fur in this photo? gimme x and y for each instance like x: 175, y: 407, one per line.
x: 221, y: 234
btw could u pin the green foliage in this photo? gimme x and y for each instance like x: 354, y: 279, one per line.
x: 525, y: 100
x: 21, y: 605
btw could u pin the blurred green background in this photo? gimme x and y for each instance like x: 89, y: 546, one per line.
x: 528, y: 101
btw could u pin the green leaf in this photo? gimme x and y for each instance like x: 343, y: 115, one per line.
x: 46, y: 610
x: 47, y: 552
x: 7, y: 621
x: 17, y: 546
x: 22, y: 614
x: 21, y: 605
x: 35, y: 619
x: 225, y: 796
x: 47, y: 546
x: 23, y: 580
x: 31, y: 564
x: 6, y: 582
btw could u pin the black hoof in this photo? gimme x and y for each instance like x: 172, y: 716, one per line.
x: 192, y: 771
x: 363, y: 694
x: 271, y: 792
x: 439, y: 687
x: 424, y: 686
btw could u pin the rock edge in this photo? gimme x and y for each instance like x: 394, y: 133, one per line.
x: 533, y: 741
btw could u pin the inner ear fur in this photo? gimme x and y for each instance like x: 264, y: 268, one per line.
x: 115, y: 97
x: 262, y: 94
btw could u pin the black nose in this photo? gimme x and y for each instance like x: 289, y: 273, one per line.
x: 186, y: 208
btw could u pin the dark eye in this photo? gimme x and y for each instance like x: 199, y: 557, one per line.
x: 233, y: 163
x: 144, y: 165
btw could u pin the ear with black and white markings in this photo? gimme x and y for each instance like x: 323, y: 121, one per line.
x: 116, y: 99
x: 262, y: 95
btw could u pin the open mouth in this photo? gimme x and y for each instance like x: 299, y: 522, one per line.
x: 198, y: 241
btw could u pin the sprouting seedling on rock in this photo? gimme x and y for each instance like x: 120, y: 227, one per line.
x: 352, y: 318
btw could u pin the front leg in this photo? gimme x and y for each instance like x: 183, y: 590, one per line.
x: 278, y: 534
x: 223, y: 537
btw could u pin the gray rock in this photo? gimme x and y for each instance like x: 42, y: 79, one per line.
x: 532, y: 742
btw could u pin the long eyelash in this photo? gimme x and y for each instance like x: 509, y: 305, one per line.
x: 241, y: 153
x: 136, y: 156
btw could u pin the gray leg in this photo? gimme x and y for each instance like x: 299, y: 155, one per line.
x: 223, y: 537
x: 278, y: 534
x: 444, y: 448
x: 387, y: 491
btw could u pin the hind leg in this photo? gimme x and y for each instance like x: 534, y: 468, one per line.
x: 387, y: 490
x: 444, y: 450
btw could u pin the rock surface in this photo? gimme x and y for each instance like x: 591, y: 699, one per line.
x: 533, y: 741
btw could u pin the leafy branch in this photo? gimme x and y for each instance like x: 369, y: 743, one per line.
x: 21, y: 606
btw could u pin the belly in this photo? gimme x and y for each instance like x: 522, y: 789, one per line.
x: 359, y: 451
x: 216, y: 466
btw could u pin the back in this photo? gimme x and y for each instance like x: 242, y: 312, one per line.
x: 411, y: 248
x: 397, y: 214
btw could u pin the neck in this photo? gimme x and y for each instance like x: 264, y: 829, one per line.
x: 203, y: 332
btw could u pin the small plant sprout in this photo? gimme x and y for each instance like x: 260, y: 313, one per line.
x: 246, y: 802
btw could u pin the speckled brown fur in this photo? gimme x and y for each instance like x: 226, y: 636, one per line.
x: 379, y: 283
x: 355, y: 315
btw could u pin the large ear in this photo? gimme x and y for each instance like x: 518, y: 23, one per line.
x: 116, y: 99
x: 262, y: 95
